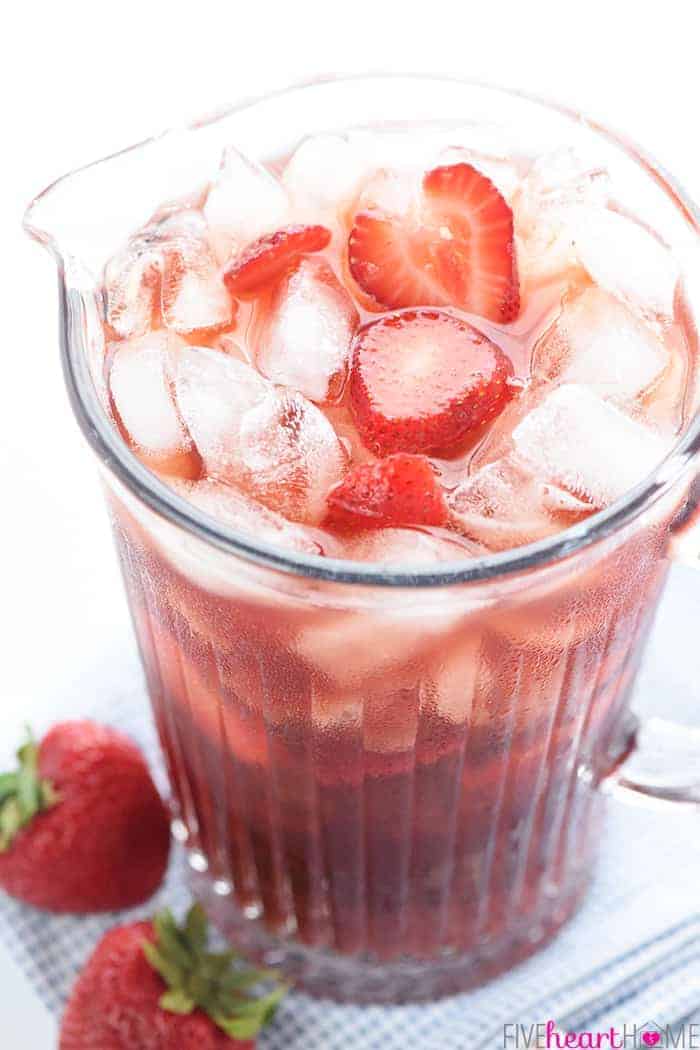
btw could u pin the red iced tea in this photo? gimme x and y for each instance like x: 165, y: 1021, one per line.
x: 394, y: 349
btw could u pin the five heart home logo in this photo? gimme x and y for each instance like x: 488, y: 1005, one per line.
x: 650, y: 1035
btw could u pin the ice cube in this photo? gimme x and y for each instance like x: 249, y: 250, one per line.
x: 305, y: 342
x: 407, y: 547
x: 497, y: 443
x: 421, y: 149
x: 244, y: 202
x: 139, y: 384
x: 627, y: 260
x: 193, y: 295
x: 587, y: 446
x: 391, y: 191
x: 401, y: 152
x: 273, y: 443
x: 503, y: 506
x: 132, y: 286
x: 168, y: 268
x: 213, y: 392
x: 289, y: 456
x: 325, y: 172
x: 232, y: 507
x: 452, y: 683
x: 328, y: 171
x: 546, y: 208
x: 368, y: 648
x: 598, y: 342
x: 560, y: 179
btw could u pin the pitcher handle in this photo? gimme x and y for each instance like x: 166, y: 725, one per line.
x: 663, y: 762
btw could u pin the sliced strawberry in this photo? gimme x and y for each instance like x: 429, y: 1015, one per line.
x: 268, y: 257
x: 451, y: 246
x: 422, y: 379
x: 399, y: 490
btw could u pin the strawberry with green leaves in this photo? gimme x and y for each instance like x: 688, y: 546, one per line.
x: 82, y: 826
x: 155, y: 986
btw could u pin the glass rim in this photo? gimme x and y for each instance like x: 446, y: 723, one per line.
x: 113, y: 452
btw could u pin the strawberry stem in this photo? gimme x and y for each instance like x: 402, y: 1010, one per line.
x: 23, y: 793
x: 215, y: 982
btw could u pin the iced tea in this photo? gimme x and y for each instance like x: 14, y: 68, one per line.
x: 406, y: 349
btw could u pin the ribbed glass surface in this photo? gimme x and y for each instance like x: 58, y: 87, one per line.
x: 391, y: 787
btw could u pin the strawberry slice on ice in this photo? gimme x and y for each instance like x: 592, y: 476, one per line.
x: 399, y: 490
x: 450, y: 244
x: 268, y: 257
x: 421, y: 380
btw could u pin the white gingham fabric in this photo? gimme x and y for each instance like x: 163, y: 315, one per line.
x: 632, y: 953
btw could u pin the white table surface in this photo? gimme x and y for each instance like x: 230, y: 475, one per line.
x: 78, y: 85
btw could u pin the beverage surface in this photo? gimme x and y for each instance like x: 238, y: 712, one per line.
x: 398, y: 346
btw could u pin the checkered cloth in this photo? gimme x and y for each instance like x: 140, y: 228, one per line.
x: 631, y: 954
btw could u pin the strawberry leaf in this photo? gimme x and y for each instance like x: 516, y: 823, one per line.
x: 250, y: 1017
x: 217, y: 966
x: 10, y: 822
x: 28, y: 791
x: 170, y: 941
x: 235, y: 979
x: 23, y: 793
x: 169, y: 971
x: 238, y: 1028
x: 196, y: 927
x: 215, y: 982
x: 176, y: 1001
x: 8, y: 785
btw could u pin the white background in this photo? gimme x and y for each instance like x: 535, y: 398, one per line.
x: 78, y: 81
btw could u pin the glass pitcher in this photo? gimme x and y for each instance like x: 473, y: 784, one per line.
x: 389, y: 782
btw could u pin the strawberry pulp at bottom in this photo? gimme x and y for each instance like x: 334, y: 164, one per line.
x: 426, y: 355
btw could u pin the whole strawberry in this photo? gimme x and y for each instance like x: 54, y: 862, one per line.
x: 154, y: 986
x: 82, y: 827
